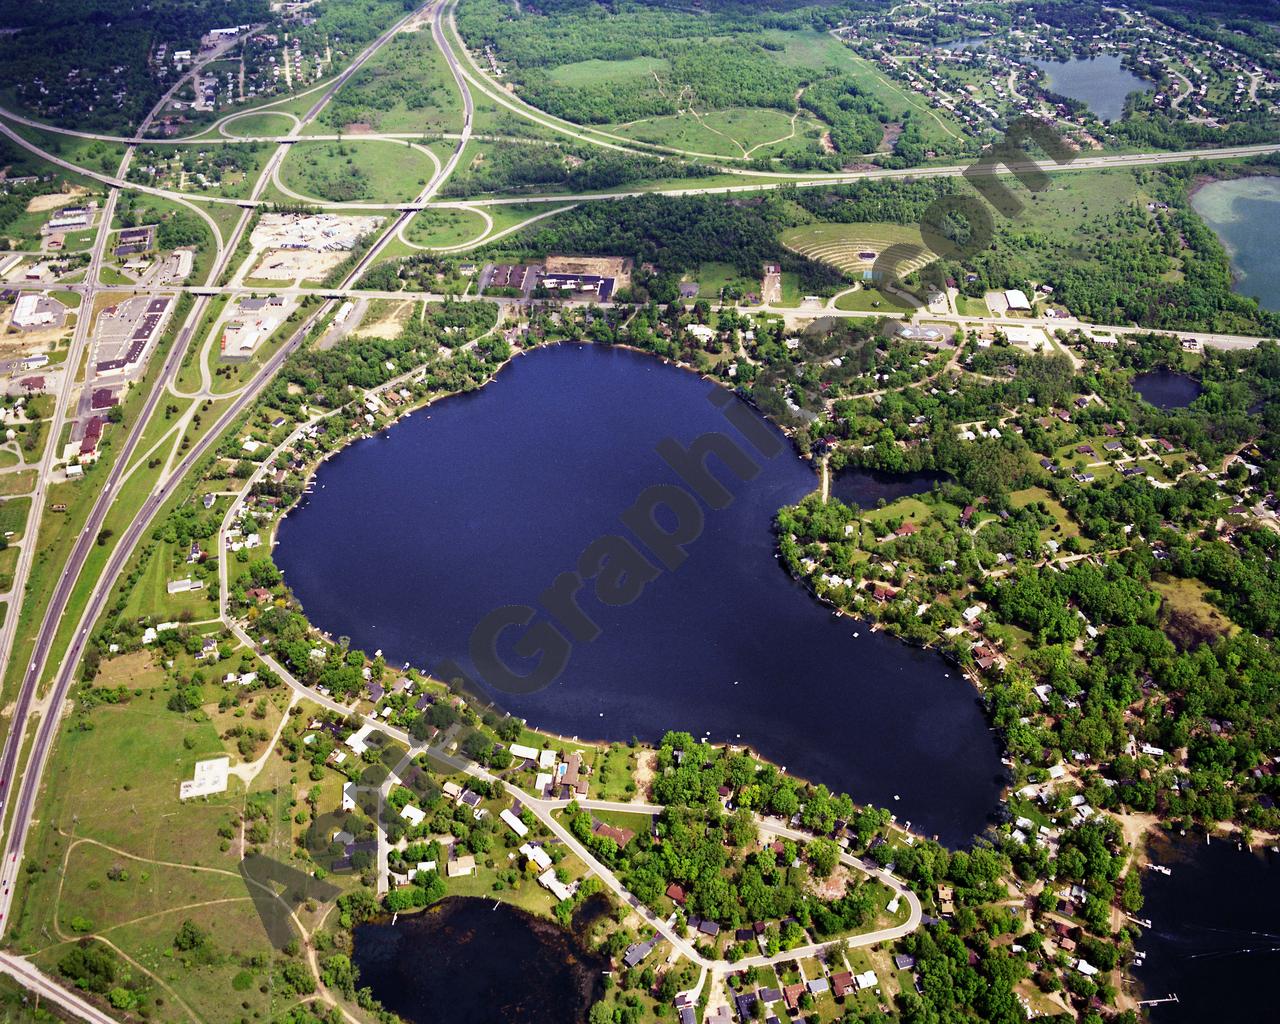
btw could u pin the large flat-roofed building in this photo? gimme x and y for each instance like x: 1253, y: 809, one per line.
x: 69, y: 219
x: 126, y: 331
x: 33, y: 311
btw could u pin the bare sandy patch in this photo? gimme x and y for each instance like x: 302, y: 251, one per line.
x: 833, y: 886
x: 646, y: 768
x: 55, y: 200
x: 389, y: 326
x: 294, y: 264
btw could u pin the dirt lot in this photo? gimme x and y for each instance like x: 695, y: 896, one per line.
x: 291, y: 264
x: 385, y: 326
x: 41, y: 204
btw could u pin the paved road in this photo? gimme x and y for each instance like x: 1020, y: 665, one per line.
x: 768, y: 183
x: 35, y: 980
x: 31, y: 534
x: 442, y: 175
x: 16, y: 835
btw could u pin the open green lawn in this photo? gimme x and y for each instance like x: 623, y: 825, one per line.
x: 598, y: 72
x: 726, y: 133
x: 712, y: 277
x: 19, y: 482
x: 150, y: 597
x: 13, y: 517
x: 445, y: 227
x: 258, y: 125
x: 116, y: 783
x: 349, y: 171
x: 614, y: 775
x: 871, y: 300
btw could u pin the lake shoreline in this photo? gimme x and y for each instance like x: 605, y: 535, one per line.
x: 849, y: 771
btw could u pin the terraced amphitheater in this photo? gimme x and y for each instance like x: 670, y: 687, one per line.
x: 854, y: 248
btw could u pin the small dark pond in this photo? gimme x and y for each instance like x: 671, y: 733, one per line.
x: 865, y: 487
x: 1167, y: 389
x: 475, y: 961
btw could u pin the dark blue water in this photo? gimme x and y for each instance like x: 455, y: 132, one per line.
x: 865, y: 487
x: 482, y: 500
x: 471, y: 961
x: 1101, y: 83
x: 1215, y: 936
x: 1167, y: 389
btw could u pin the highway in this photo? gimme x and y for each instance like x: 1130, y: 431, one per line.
x: 433, y: 186
x: 28, y: 787
x: 18, y: 795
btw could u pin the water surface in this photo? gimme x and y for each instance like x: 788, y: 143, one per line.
x: 475, y: 961
x: 865, y: 487
x: 1167, y: 389
x: 1215, y: 936
x: 481, y: 501
x: 1243, y: 213
x: 1102, y: 83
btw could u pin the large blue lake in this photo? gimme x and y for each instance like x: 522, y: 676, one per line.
x: 411, y: 538
x: 1214, y: 940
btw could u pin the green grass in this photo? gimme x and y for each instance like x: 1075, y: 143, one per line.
x: 843, y: 245
x: 369, y: 171
x: 258, y: 125
x: 608, y: 72
x: 614, y: 773
x: 18, y: 482
x: 724, y: 133
x: 150, y: 598
x: 445, y: 227
x: 405, y: 87
x: 712, y: 277
x: 867, y: 300
x: 13, y: 516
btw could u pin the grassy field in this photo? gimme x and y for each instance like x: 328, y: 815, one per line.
x: 727, y: 133
x: 444, y: 227
x: 372, y: 171
x: 259, y: 124
x: 13, y: 517
x: 713, y: 277
x: 597, y: 72
x: 19, y: 482
x: 150, y: 597
x: 869, y: 300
